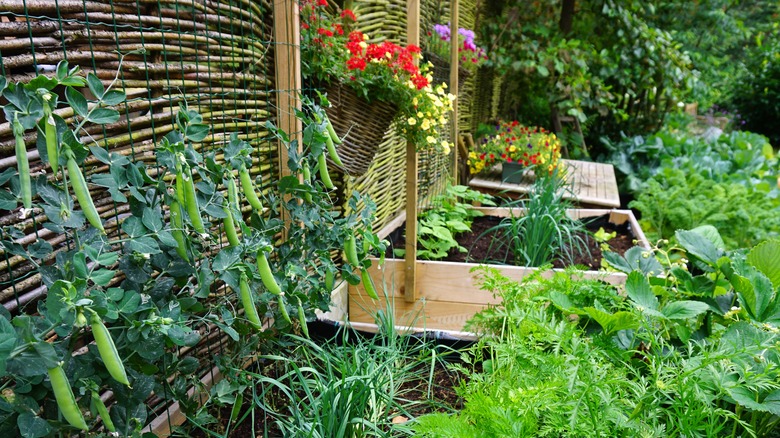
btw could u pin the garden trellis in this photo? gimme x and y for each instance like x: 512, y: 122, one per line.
x: 236, y: 63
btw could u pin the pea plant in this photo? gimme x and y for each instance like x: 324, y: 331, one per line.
x: 185, y: 251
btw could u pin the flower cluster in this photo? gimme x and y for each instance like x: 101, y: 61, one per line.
x: 471, y: 55
x: 333, y: 51
x: 514, y: 143
x: 422, y: 122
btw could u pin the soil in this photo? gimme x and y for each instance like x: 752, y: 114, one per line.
x: 486, y: 247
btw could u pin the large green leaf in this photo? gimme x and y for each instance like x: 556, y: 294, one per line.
x: 712, y: 234
x: 698, y: 246
x: 766, y: 258
x: 684, y: 309
x: 613, y: 322
x: 747, y: 398
x: 638, y: 289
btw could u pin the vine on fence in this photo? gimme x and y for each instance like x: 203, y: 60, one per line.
x: 188, y: 257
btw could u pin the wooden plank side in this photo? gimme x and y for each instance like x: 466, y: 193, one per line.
x: 424, y: 314
x: 593, y: 183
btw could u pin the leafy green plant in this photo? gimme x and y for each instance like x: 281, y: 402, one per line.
x: 544, y: 229
x: 143, y: 281
x: 453, y: 213
x: 672, y: 200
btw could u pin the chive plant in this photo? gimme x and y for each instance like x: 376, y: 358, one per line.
x: 544, y: 229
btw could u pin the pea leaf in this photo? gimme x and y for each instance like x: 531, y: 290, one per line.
x: 77, y: 101
x: 103, y: 116
x: 95, y: 85
x: 151, y: 219
x: 113, y: 97
x: 7, y: 342
x: 102, y: 277
x: 144, y: 245
x: 133, y: 227
x: 130, y: 302
x: 32, y: 426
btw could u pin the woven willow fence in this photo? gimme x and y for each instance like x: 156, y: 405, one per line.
x: 215, y: 56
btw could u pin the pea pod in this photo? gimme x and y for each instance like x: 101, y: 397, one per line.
x: 230, y: 227
x: 368, y: 284
x: 23, y: 164
x: 248, y: 302
x: 107, y: 350
x: 50, y: 131
x: 66, y: 401
x: 237, y: 406
x: 249, y: 190
x: 324, y: 175
x: 332, y: 151
x: 306, y: 173
x: 302, y: 318
x: 191, y: 200
x: 232, y: 192
x: 330, y: 279
x: 102, y: 411
x: 283, y: 309
x: 332, y: 133
x: 82, y: 194
x: 178, y: 230
x: 350, y: 250
x: 266, y: 275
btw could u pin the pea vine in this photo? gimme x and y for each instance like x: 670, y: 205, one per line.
x: 188, y: 245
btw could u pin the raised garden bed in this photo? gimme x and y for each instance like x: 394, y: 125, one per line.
x: 446, y: 293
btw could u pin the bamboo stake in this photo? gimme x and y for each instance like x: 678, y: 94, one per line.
x: 410, y: 283
x: 454, y: 63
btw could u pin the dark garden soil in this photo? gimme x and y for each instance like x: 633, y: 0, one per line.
x: 484, y: 247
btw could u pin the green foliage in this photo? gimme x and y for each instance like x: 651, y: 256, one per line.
x: 679, y: 354
x: 756, y: 93
x: 672, y: 200
x: 624, y: 77
x: 453, y: 214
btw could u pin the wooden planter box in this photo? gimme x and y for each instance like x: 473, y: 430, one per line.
x: 446, y: 292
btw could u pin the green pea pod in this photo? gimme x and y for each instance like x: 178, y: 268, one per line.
x: 23, y: 164
x: 368, y: 284
x: 249, y: 303
x: 332, y: 152
x: 332, y: 133
x: 82, y: 194
x: 102, y: 411
x: 350, y: 250
x: 191, y: 201
x: 50, y: 131
x: 324, y: 175
x: 266, y: 275
x: 230, y: 228
x: 306, y: 173
x: 330, y: 280
x: 66, y: 401
x: 249, y: 190
x: 232, y: 192
x: 178, y: 230
x: 237, y: 406
x: 283, y: 309
x: 302, y: 318
x: 107, y: 350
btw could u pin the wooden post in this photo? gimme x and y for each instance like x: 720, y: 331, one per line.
x: 454, y: 62
x: 287, y: 36
x: 410, y: 283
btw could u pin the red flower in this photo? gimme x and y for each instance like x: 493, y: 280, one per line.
x: 339, y: 29
x: 356, y: 63
x: 304, y: 26
x: 355, y: 36
x: 420, y: 81
x: 412, y: 48
x: 322, y: 2
x: 325, y: 32
x: 346, y: 13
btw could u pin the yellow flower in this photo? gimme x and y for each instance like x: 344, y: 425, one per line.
x: 363, y: 44
x: 412, y: 121
x: 414, y: 101
x: 420, y: 115
x: 425, y: 125
x: 512, y: 149
x: 431, y: 139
